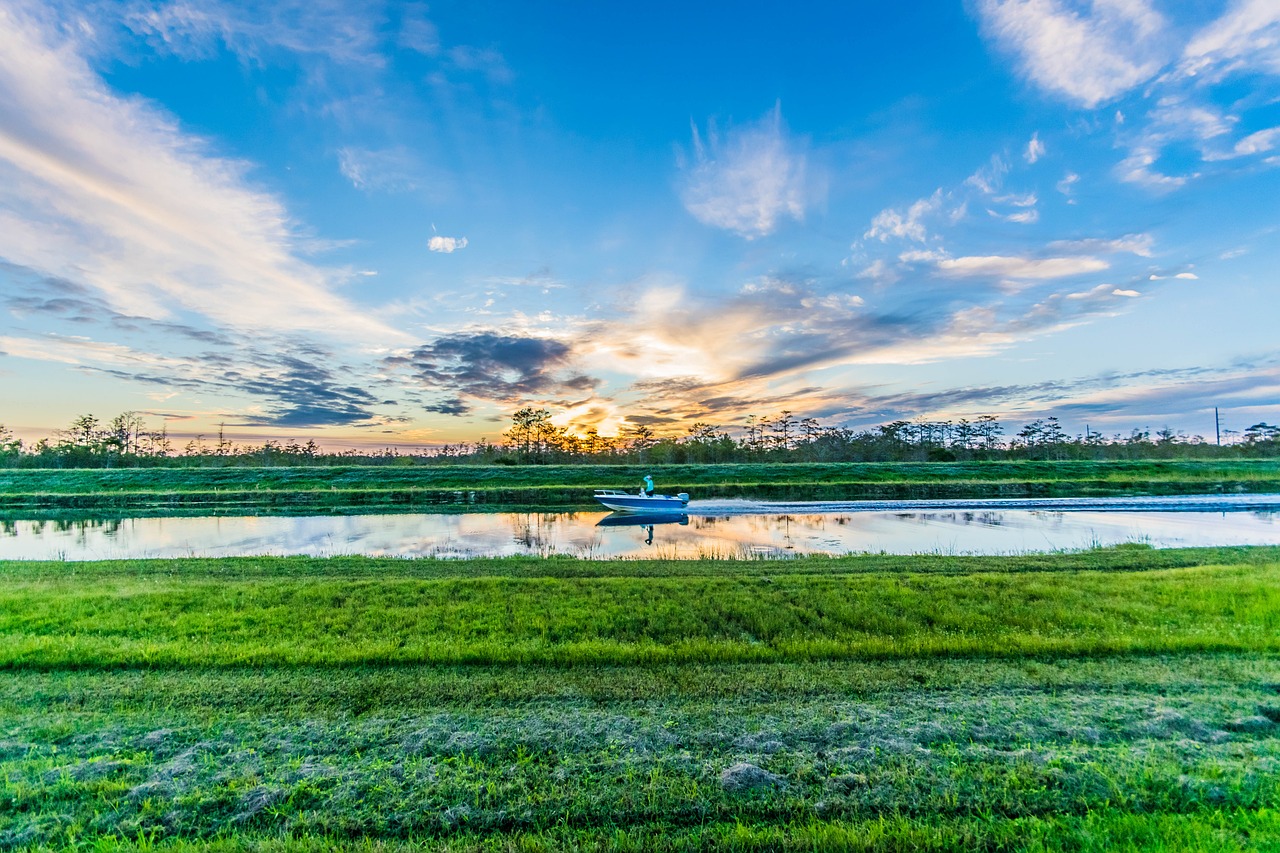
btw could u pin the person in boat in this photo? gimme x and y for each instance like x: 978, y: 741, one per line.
x: 646, y: 488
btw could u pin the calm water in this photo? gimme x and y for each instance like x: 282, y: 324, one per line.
x: 711, y: 528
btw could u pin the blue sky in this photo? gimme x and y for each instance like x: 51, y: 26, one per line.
x: 396, y: 223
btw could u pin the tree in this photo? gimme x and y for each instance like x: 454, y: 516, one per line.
x: 988, y: 431
x: 124, y: 433
x: 9, y: 446
x: 639, y: 438
x: 782, y: 425
x: 527, y: 425
x: 84, y: 432
x: 1261, y: 433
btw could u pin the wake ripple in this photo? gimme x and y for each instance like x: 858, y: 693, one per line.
x: 1167, y: 503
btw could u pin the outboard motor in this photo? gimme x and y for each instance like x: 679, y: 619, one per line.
x: 684, y: 497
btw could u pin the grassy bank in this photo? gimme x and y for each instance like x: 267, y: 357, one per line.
x: 570, y: 485
x: 1119, y: 699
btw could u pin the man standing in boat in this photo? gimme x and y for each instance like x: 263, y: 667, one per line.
x: 646, y: 488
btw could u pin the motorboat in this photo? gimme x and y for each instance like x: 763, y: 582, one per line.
x: 617, y: 499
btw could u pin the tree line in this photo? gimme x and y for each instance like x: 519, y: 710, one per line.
x: 533, y: 438
x: 784, y: 437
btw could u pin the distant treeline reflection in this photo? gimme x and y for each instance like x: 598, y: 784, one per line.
x: 128, y: 441
x: 109, y: 526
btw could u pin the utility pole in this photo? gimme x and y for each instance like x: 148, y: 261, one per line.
x: 1217, y: 430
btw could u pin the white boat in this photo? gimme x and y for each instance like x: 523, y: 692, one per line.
x: 616, y: 499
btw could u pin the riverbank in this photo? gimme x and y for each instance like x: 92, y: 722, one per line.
x: 1086, y: 701
x: 316, y: 489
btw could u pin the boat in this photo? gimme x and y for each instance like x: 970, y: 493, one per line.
x: 617, y: 499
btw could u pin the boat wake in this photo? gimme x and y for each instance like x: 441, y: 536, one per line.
x: 1165, y: 503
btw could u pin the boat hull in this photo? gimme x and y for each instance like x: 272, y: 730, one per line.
x: 624, y: 502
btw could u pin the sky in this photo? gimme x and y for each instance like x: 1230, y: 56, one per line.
x: 394, y: 224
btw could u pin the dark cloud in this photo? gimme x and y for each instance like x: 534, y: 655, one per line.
x: 308, y: 394
x: 452, y: 406
x: 67, y: 301
x: 491, y: 366
x: 302, y: 393
x: 651, y: 420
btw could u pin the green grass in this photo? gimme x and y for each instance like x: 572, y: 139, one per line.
x: 570, y: 485
x: 1123, y: 699
x: 181, y: 621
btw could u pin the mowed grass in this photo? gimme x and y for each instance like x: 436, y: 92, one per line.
x: 1126, y: 699
x: 571, y: 485
x: 176, y: 621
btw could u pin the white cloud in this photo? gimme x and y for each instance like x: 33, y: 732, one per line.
x: 1090, y: 56
x: 484, y: 61
x: 1258, y: 143
x: 390, y: 169
x: 1246, y: 36
x: 1137, y: 244
x: 989, y: 178
x: 447, y: 245
x: 325, y: 28
x: 1035, y: 149
x: 76, y: 349
x: 880, y: 272
x: 1187, y: 275
x: 1028, y: 200
x: 417, y: 32
x: 918, y: 256
x: 748, y: 180
x: 1024, y: 217
x: 1128, y: 293
x: 904, y: 225
x: 1066, y: 186
x: 111, y: 193
x: 1137, y: 169
x: 1019, y: 268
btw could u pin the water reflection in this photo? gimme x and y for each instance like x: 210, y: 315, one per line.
x: 598, y: 534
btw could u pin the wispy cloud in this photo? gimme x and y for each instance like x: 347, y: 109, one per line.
x: 1025, y: 217
x: 388, y: 169
x: 1104, y: 50
x: 486, y: 61
x: 110, y: 192
x: 417, y: 32
x: 1140, y: 168
x: 748, y: 178
x: 1137, y: 244
x: 990, y: 177
x: 1247, y: 36
x: 1260, y: 142
x: 1035, y: 149
x: 908, y: 224
x: 1089, y: 56
x: 327, y: 28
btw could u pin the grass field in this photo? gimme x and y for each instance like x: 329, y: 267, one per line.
x: 1119, y: 699
x: 571, y: 485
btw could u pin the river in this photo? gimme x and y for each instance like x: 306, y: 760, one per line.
x: 711, y: 528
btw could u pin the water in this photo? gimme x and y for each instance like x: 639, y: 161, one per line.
x: 711, y: 529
